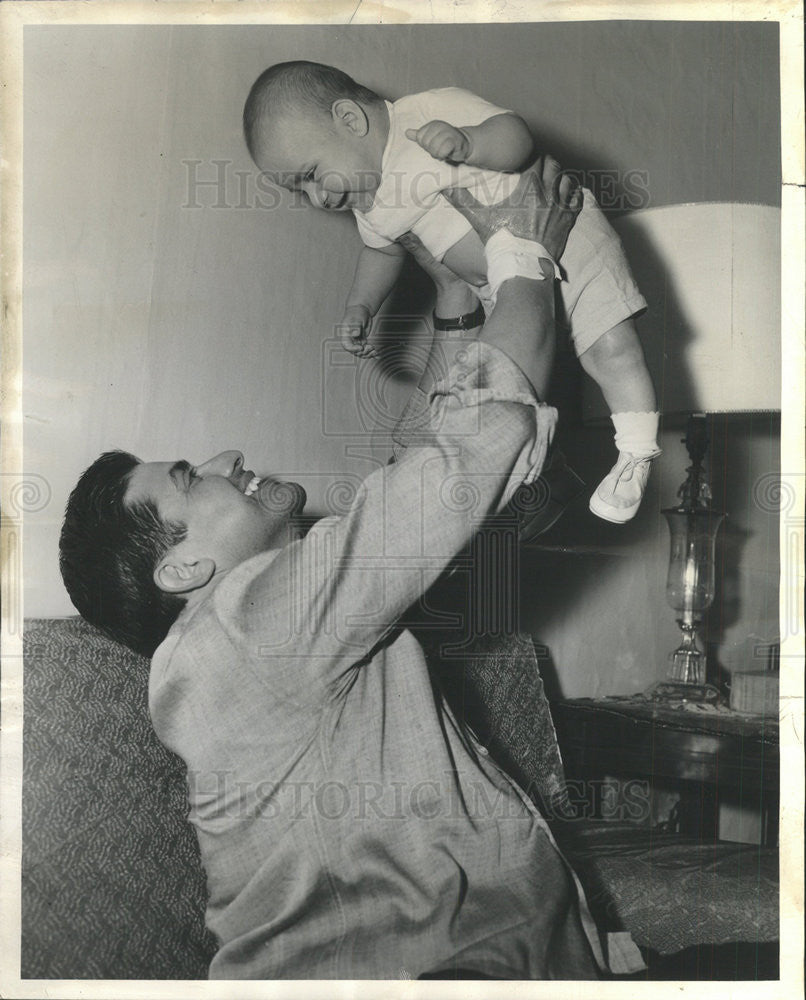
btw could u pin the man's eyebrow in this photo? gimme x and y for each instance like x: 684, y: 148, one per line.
x: 178, y: 470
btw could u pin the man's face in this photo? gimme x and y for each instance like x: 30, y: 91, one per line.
x: 321, y: 156
x: 230, y: 514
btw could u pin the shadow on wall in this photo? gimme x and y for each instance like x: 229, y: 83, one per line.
x: 594, y: 593
x: 743, y: 621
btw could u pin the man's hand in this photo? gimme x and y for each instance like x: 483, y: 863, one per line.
x: 354, y: 330
x: 542, y: 207
x: 442, y: 141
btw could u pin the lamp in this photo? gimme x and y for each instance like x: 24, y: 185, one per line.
x: 711, y: 274
x: 693, y: 526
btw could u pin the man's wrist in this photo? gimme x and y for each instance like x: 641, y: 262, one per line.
x: 510, y: 256
x: 464, y: 321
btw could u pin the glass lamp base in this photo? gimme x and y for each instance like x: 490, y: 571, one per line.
x: 686, y: 678
x: 687, y: 662
x: 687, y: 666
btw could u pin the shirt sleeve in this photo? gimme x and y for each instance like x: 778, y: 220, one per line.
x: 368, y: 235
x: 461, y: 107
x: 325, y: 602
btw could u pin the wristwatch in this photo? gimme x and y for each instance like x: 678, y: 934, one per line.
x: 467, y: 321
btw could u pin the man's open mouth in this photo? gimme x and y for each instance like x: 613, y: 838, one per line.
x: 275, y: 494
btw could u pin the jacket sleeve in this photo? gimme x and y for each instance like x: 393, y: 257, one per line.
x: 331, y: 597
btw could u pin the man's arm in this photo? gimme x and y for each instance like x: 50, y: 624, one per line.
x: 330, y: 598
x: 516, y: 335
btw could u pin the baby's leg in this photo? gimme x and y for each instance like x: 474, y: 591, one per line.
x: 615, y: 361
x: 599, y: 298
x: 616, y: 364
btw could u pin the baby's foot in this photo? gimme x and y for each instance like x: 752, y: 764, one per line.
x: 618, y: 496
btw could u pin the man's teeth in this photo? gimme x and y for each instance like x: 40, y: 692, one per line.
x: 252, y: 487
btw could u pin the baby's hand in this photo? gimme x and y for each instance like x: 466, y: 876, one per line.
x: 354, y: 330
x: 442, y: 141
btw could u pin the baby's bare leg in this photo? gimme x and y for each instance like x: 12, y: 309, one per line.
x: 466, y: 259
x: 616, y: 363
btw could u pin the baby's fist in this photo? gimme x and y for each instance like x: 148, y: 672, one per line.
x: 354, y: 330
x: 442, y: 141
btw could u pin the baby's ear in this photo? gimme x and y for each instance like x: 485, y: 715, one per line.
x: 350, y: 115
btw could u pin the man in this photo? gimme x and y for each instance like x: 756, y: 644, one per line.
x: 348, y: 826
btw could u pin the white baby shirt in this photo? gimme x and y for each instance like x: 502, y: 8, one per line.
x: 408, y: 198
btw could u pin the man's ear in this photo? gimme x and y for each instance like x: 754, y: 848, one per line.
x: 176, y: 576
x: 350, y: 115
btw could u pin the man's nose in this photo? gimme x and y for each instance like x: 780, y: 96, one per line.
x: 226, y: 464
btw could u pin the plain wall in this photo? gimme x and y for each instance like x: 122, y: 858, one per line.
x: 177, y: 321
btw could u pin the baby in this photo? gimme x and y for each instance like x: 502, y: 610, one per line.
x: 317, y: 131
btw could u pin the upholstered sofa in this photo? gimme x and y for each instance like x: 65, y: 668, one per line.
x: 112, y: 885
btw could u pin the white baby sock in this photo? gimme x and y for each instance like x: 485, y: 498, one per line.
x: 637, y: 433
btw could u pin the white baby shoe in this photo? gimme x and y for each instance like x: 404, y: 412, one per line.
x: 618, y: 496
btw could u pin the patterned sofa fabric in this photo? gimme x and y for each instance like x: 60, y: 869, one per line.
x: 112, y: 885
x: 675, y: 892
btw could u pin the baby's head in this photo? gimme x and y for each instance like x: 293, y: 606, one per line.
x: 316, y: 130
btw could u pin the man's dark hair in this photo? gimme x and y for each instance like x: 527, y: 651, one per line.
x: 285, y: 87
x: 108, y: 551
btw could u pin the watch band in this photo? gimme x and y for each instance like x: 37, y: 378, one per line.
x: 467, y: 321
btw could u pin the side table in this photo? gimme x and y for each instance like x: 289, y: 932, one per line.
x: 700, y: 753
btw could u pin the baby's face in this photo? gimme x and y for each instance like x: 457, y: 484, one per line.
x: 325, y: 159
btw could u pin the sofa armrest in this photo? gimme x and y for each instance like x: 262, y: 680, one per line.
x: 112, y: 885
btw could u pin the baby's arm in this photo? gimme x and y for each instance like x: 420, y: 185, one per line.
x: 502, y: 142
x: 375, y: 275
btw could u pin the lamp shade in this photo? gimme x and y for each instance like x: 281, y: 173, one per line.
x: 711, y: 275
